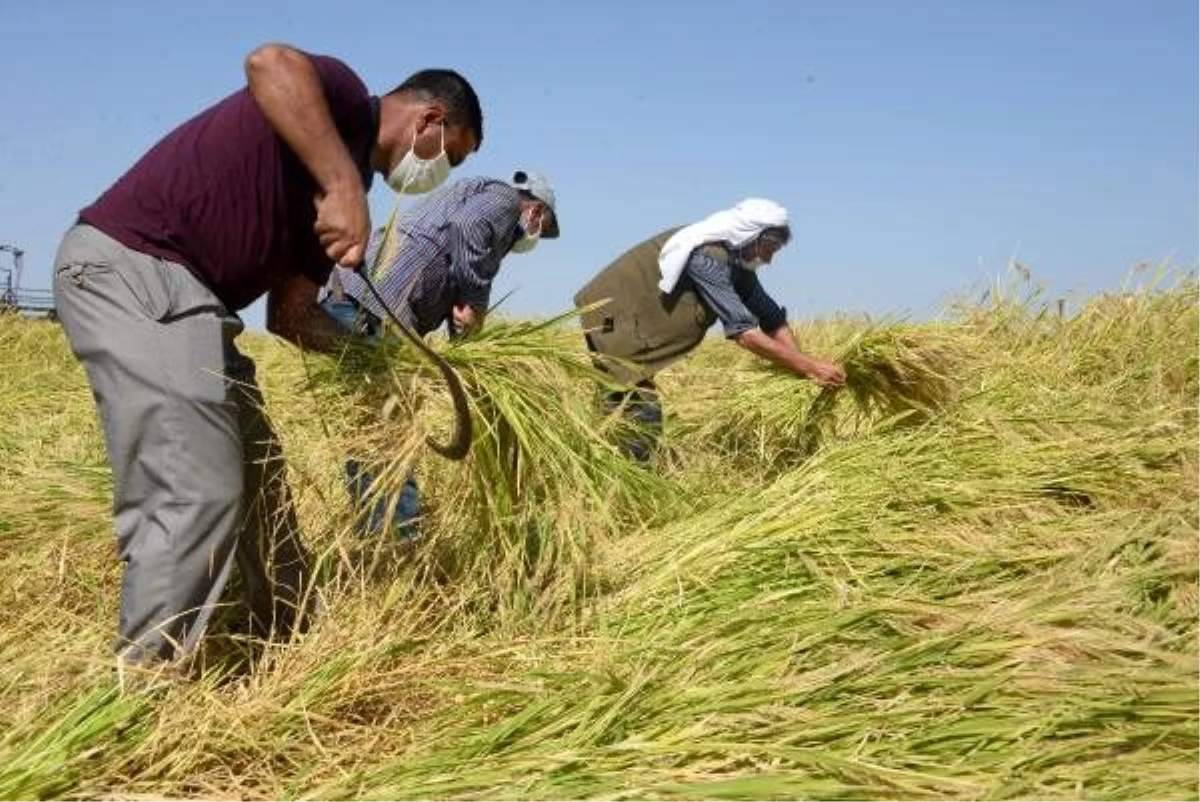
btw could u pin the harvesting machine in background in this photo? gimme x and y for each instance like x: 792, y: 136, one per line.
x: 27, y: 303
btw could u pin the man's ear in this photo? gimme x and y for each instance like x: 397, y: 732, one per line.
x: 432, y: 113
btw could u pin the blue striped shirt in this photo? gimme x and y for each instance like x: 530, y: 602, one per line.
x: 733, y: 293
x: 449, y: 250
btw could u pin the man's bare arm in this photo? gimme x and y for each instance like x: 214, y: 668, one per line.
x: 287, y: 88
x: 293, y: 314
x: 780, y: 347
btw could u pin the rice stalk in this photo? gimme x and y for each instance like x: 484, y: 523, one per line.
x: 1000, y: 602
x: 507, y: 517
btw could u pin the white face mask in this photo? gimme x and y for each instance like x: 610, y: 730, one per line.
x: 756, y: 262
x: 413, y: 175
x: 529, y: 239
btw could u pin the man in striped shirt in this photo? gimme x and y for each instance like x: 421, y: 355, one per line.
x: 442, y: 256
x: 438, y: 264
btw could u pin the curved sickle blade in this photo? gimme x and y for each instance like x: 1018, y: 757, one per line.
x: 460, y: 442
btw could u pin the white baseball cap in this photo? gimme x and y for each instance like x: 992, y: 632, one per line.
x: 537, y: 186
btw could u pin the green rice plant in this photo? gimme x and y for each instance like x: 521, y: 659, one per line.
x: 999, y: 602
x: 890, y: 373
x: 903, y: 615
x: 894, y: 373
x: 51, y: 755
x: 542, y: 481
x: 1123, y: 343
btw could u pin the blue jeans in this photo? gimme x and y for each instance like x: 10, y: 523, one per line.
x: 406, y: 507
x: 373, y: 521
x: 352, y: 317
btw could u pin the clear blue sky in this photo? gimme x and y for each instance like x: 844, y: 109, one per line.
x: 919, y: 144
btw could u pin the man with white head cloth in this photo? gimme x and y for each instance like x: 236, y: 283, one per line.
x: 662, y: 295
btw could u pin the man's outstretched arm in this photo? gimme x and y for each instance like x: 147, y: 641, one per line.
x: 781, y: 348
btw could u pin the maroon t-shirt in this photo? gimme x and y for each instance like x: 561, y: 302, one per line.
x: 223, y: 195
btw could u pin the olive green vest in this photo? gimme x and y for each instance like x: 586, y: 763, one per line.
x: 644, y: 328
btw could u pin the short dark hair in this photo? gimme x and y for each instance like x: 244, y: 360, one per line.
x: 455, y: 91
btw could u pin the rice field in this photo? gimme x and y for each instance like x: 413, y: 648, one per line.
x: 973, y: 574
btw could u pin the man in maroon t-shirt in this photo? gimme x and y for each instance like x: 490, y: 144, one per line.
x: 260, y: 194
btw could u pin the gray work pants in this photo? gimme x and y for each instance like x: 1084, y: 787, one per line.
x: 198, y: 476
